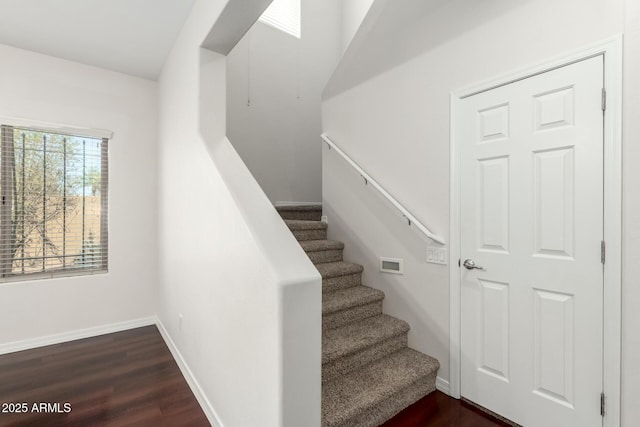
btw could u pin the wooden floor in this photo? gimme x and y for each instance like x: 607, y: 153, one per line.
x: 130, y: 379
x: 126, y: 378
x: 439, y: 410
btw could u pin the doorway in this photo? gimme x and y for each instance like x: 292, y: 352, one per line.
x: 535, y: 162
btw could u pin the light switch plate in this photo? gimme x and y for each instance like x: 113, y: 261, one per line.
x: 436, y: 255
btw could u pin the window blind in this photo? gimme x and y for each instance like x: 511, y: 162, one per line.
x: 54, y: 197
x: 283, y: 15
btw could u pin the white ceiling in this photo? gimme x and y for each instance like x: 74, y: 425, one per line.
x: 130, y: 36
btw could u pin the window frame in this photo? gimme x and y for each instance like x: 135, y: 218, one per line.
x: 7, y: 126
x: 276, y: 21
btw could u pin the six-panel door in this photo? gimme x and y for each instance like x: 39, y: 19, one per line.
x: 532, y: 217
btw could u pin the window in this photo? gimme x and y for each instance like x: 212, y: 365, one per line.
x: 283, y: 15
x: 53, y: 211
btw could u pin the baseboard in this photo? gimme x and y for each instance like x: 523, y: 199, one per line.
x: 118, y: 327
x: 442, y: 385
x: 206, y: 406
x: 78, y: 334
x: 276, y: 204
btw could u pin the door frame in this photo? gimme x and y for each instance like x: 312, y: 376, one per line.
x: 612, y: 50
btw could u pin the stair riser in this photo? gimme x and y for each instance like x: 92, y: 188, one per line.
x: 341, y: 282
x: 331, y: 255
x: 301, y: 215
x: 380, y: 413
x: 351, y: 362
x: 353, y: 314
x: 313, y: 234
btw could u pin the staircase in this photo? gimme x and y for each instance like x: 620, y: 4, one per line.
x: 368, y: 372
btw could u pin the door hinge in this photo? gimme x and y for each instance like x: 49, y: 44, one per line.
x: 602, y: 412
x: 603, y: 251
x: 604, y: 99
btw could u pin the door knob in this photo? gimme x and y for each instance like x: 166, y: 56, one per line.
x: 470, y: 265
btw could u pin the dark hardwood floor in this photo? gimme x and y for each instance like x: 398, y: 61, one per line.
x: 125, y: 378
x: 439, y: 410
x: 130, y: 379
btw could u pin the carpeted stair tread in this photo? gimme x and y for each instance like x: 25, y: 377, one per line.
x: 374, y: 393
x: 322, y: 251
x: 340, y: 268
x: 351, y: 275
x: 321, y: 245
x: 351, y: 297
x: 304, y: 212
x: 286, y: 208
x: 304, y: 230
x: 299, y: 224
x: 356, y: 336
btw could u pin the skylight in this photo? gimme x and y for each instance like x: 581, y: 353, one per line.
x: 283, y: 15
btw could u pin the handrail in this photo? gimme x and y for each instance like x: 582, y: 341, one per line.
x: 411, y: 220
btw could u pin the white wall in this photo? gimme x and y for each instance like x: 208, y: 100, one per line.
x: 43, y: 88
x: 353, y: 12
x: 388, y: 107
x: 277, y: 135
x: 249, y: 297
x: 631, y: 219
x: 371, y: 229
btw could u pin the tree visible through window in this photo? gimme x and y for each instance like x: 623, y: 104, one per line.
x: 53, y: 216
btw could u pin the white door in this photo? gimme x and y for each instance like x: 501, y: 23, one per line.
x: 531, y: 161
